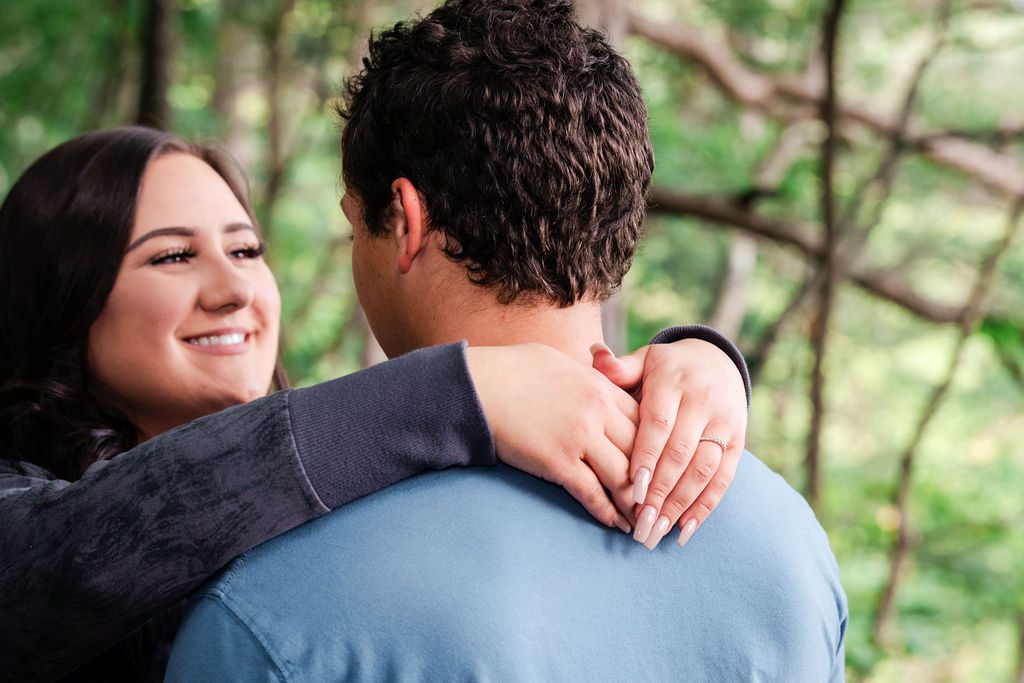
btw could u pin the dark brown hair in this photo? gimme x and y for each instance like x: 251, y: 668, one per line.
x: 64, y: 227
x: 526, y: 134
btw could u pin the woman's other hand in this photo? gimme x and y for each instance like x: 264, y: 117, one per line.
x: 561, y: 421
x: 689, y: 391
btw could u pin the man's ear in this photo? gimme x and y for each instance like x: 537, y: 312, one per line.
x: 408, y: 226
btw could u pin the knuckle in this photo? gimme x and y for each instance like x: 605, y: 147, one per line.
x: 658, y: 490
x: 721, y: 484
x: 580, y: 424
x: 594, y: 393
x: 594, y: 499
x: 646, y: 454
x: 702, y: 509
x: 703, y: 471
x: 660, y: 420
x: 673, y: 509
x: 679, y: 454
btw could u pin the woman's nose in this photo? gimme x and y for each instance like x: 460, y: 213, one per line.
x: 226, y: 287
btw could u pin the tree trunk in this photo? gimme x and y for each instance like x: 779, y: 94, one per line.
x: 157, y: 54
x: 277, y: 156
x: 229, y: 65
x: 734, y: 296
x: 114, y: 61
x: 830, y: 266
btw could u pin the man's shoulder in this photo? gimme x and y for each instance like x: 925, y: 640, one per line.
x: 469, y: 529
x: 451, y: 562
x: 471, y: 510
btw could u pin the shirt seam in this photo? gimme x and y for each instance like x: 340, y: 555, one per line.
x: 232, y: 609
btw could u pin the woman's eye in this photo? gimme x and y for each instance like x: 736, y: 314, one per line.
x: 250, y: 251
x: 174, y: 256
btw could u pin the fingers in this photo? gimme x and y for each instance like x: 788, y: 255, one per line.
x: 658, y: 412
x: 583, y: 485
x: 611, y: 467
x: 713, y: 493
x: 621, y: 431
x: 625, y: 371
x: 676, y: 458
x: 695, y: 481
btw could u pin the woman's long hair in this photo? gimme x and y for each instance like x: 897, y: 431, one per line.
x: 64, y: 228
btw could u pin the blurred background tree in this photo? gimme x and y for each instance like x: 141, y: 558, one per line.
x: 839, y: 188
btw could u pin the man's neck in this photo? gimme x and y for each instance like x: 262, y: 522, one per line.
x: 484, y: 322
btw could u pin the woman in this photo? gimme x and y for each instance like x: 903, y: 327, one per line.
x: 118, y: 497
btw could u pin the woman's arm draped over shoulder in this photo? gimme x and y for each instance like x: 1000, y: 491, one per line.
x: 83, y: 564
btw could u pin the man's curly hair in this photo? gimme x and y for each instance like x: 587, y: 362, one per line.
x: 524, y: 131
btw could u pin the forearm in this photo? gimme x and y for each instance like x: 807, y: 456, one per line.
x: 85, y: 563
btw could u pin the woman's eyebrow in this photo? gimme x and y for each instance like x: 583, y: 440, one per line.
x: 185, y: 232
x: 236, y: 227
x: 159, y: 232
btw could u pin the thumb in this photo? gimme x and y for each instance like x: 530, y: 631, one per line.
x: 626, y: 372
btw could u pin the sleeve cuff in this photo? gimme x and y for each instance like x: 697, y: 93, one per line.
x: 711, y: 336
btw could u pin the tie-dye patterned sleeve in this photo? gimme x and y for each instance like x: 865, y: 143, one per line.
x: 83, y: 564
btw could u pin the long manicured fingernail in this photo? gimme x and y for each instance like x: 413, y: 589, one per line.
x: 640, y: 484
x: 658, y: 532
x: 687, y: 531
x: 644, y: 523
x: 623, y: 524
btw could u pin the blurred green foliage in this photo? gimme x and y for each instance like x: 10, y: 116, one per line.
x: 66, y: 67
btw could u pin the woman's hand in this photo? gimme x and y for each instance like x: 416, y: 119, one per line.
x: 689, y: 391
x: 562, y: 421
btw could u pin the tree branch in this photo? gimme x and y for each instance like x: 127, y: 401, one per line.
x: 887, y: 285
x: 884, y: 176
x: 733, y: 295
x: 972, y: 316
x: 995, y: 137
x: 757, y: 358
x: 789, y: 98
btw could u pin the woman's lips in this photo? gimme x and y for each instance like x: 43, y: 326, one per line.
x: 220, y: 343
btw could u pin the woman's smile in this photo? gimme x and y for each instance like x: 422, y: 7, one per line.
x: 221, y: 342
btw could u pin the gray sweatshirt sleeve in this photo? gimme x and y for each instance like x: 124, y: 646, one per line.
x: 83, y: 564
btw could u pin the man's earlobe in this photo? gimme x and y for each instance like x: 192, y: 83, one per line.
x: 409, y: 224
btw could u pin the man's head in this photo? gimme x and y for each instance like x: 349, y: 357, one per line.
x: 519, y: 136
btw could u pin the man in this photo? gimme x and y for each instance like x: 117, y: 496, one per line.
x: 496, y: 159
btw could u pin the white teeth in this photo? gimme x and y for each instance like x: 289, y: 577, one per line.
x: 217, y: 340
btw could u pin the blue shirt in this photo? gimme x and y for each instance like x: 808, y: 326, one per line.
x: 492, y: 575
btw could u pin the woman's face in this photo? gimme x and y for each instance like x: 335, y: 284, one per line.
x: 191, y: 326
